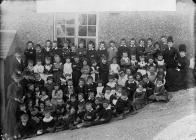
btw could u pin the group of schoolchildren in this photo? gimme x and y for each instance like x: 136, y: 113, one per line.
x: 69, y: 87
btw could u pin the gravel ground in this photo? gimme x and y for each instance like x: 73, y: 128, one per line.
x: 145, y: 125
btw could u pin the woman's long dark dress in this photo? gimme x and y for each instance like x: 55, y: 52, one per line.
x: 14, y: 91
x: 172, y: 75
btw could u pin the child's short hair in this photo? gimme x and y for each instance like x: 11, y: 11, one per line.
x: 91, y: 43
x: 149, y: 39
x: 38, y: 46
x: 99, y: 81
x: 24, y: 117
x: 88, y: 104
x: 123, y: 39
x: 102, y: 42
x: 30, y: 61
x: 29, y: 42
x: 50, y: 78
x: 38, y: 60
x: 124, y: 91
x: 89, y: 77
x: 105, y: 101
x: 48, y: 58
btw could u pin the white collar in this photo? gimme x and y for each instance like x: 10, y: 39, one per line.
x: 48, y: 119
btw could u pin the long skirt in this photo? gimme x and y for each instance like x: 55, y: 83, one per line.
x: 10, y: 118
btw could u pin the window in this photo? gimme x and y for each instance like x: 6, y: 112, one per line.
x: 76, y: 27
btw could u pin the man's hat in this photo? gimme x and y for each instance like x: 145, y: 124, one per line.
x: 182, y: 48
x: 170, y: 39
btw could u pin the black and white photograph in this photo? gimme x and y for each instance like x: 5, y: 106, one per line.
x: 97, y: 69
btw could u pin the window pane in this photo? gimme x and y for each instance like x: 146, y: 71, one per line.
x: 83, y: 40
x: 82, y: 31
x: 60, y: 22
x: 92, y: 19
x: 91, y: 30
x: 70, y: 31
x: 70, y: 21
x: 60, y: 30
x: 67, y: 18
x: 83, y: 19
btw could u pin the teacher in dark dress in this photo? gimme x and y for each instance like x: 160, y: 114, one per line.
x: 15, y: 96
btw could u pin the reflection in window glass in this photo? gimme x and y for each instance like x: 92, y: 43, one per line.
x: 82, y: 31
x: 91, y: 19
x: 83, y: 19
x: 70, y: 31
x: 60, y: 30
x: 91, y: 30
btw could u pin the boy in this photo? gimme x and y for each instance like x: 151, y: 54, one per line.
x: 76, y: 66
x: 131, y: 86
x: 141, y: 48
x: 149, y: 48
x: 160, y: 94
x: 30, y: 53
x: 90, y: 85
x: 89, y: 116
x: 91, y: 52
x: 81, y: 51
x: 104, y: 70
x: 105, y: 115
x: 148, y: 85
x: 48, y: 122
x: 125, y: 60
x: 26, y: 127
x: 102, y: 50
x: 65, y: 51
x: 123, y: 48
x: 132, y: 46
x: 48, y: 48
x: 112, y: 51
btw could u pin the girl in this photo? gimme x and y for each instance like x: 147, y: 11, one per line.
x: 138, y: 78
x: 65, y: 51
x: 57, y: 67
x: 67, y: 70
x: 39, y: 68
x: 122, y: 78
x: 100, y: 88
x: 85, y: 70
x: 142, y: 65
x: 43, y: 95
x: 57, y: 96
x: 114, y: 67
x: 94, y: 70
x: 152, y: 73
x: 112, y: 84
x: 139, y: 96
x: 47, y: 68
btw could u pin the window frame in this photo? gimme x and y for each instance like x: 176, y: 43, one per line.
x: 76, y: 27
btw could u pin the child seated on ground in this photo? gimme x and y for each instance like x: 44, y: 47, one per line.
x: 133, y: 64
x: 160, y: 94
x: 139, y: 97
x: 105, y: 114
x: 26, y: 127
x: 57, y: 95
x: 48, y: 122
x: 89, y: 116
x: 123, y: 104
